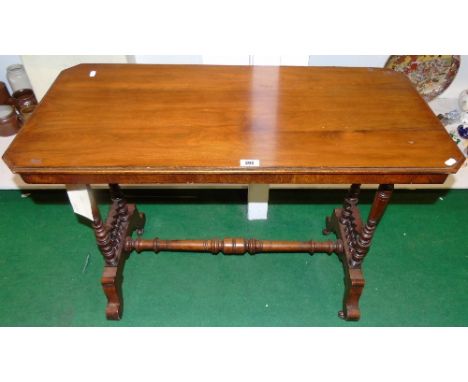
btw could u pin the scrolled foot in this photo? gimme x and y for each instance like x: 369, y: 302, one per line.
x: 112, y: 286
x: 113, y: 312
x: 354, y: 284
x: 352, y: 314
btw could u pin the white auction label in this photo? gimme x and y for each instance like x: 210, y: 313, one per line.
x: 250, y: 162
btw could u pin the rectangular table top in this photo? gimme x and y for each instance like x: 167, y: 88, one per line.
x: 124, y: 123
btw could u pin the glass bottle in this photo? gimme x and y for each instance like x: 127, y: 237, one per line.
x: 17, y: 78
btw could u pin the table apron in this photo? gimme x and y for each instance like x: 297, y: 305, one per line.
x: 206, y: 178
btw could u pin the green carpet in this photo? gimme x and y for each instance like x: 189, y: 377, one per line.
x: 416, y: 272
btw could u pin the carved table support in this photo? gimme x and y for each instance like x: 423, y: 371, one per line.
x: 347, y: 225
x: 122, y: 220
x: 114, y: 239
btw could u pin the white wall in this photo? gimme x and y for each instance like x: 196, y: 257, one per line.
x: 224, y: 60
x: 357, y: 60
x: 166, y: 59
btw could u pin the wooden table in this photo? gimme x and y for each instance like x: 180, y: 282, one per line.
x: 147, y: 124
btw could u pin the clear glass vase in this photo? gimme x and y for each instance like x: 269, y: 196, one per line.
x: 17, y: 78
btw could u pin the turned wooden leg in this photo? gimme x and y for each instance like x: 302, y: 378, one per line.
x: 364, y: 239
x: 346, y: 214
x: 122, y: 221
x: 350, y: 201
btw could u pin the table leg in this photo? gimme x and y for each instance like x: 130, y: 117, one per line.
x: 122, y: 221
x: 347, y: 225
x: 364, y: 239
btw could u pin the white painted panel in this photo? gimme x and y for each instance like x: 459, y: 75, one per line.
x: 168, y: 59
x: 80, y: 200
x: 265, y: 60
x: 226, y: 60
x: 257, y: 208
x: 287, y: 60
x: 294, y: 60
x: 355, y: 60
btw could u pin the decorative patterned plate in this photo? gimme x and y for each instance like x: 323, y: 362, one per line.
x: 430, y: 74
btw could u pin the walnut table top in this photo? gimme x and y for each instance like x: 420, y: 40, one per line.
x: 195, y: 123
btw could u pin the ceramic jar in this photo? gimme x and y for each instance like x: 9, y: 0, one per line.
x: 9, y: 121
x: 24, y: 98
x: 4, y: 94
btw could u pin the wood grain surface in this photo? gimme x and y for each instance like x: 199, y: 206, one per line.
x: 194, y: 123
